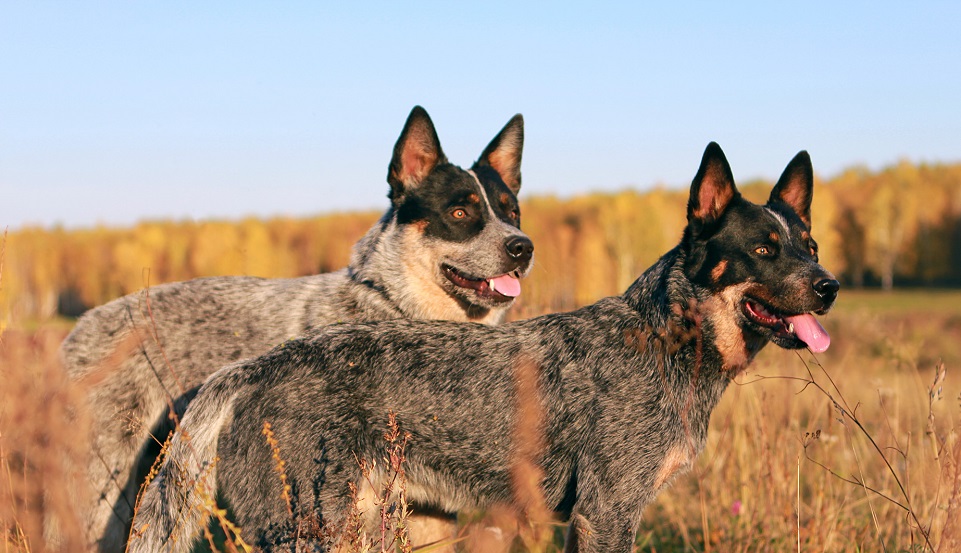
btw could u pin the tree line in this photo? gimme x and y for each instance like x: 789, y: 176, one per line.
x: 900, y: 226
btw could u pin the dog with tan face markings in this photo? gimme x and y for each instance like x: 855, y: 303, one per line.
x: 449, y: 247
x: 626, y: 387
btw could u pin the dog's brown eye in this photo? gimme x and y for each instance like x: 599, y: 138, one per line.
x: 763, y: 250
x: 513, y: 215
x: 458, y: 213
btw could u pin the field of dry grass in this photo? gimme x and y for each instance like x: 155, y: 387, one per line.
x: 857, y: 450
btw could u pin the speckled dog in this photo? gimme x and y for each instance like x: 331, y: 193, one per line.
x: 450, y: 247
x: 626, y: 385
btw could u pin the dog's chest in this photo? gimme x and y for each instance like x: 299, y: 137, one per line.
x: 688, y: 413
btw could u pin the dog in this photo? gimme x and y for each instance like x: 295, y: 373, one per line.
x: 626, y: 387
x: 449, y: 247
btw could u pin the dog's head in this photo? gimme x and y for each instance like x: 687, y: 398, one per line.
x: 759, y: 263
x: 462, y: 227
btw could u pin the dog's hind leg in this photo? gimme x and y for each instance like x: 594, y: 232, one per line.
x: 120, y: 457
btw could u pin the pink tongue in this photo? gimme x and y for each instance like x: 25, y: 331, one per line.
x: 507, y: 285
x: 810, y: 331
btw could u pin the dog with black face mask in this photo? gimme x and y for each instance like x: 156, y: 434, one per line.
x: 449, y: 247
x: 626, y: 386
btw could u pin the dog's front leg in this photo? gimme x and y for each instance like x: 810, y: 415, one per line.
x: 599, y: 534
x: 579, y: 525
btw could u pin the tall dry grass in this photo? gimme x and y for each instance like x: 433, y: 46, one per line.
x: 857, y: 450
x: 42, y: 430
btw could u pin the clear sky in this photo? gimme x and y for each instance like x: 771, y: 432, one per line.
x: 113, y: 112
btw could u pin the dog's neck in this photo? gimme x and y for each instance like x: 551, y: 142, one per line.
x: 659, y: 287
x: 367, y: 245
x: 674, y: 305
x: 681, y: 338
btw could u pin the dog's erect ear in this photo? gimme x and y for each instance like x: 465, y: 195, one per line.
x: 503, y: 154
x: 796, y: 187
x: 416, y: 153
x: 712, y: 189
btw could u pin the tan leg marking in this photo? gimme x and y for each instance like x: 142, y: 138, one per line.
x: 677, y: 459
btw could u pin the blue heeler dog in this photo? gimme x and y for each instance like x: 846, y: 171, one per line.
x: 626, y: 386
x: 449, y: 247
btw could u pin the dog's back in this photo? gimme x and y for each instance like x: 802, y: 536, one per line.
x: 172, y: 328
x: 145, y: 353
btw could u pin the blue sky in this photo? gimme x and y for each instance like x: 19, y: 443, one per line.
x: 114, y: 112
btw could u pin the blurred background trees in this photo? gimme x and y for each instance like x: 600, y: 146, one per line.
x: 900, y: 226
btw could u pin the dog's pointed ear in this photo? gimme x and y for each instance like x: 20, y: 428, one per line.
x: 503, y: 154
x: 712, y: 190
x: 416, y: 153
x: 796, y: 187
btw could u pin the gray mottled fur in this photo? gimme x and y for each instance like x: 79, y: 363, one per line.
x: 206, y: 323
x: 627, y: 387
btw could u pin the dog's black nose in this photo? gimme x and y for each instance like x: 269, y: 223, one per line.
x: 519, y: 247
x: 827, y: 289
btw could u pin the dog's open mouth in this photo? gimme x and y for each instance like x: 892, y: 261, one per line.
x: 803, y: 327
x: 501, y: 288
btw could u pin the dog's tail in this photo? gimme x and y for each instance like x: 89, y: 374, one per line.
x: 180, y: 499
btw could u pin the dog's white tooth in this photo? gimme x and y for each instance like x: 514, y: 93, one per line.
x: 790, y: 328
x: 491, y: 284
